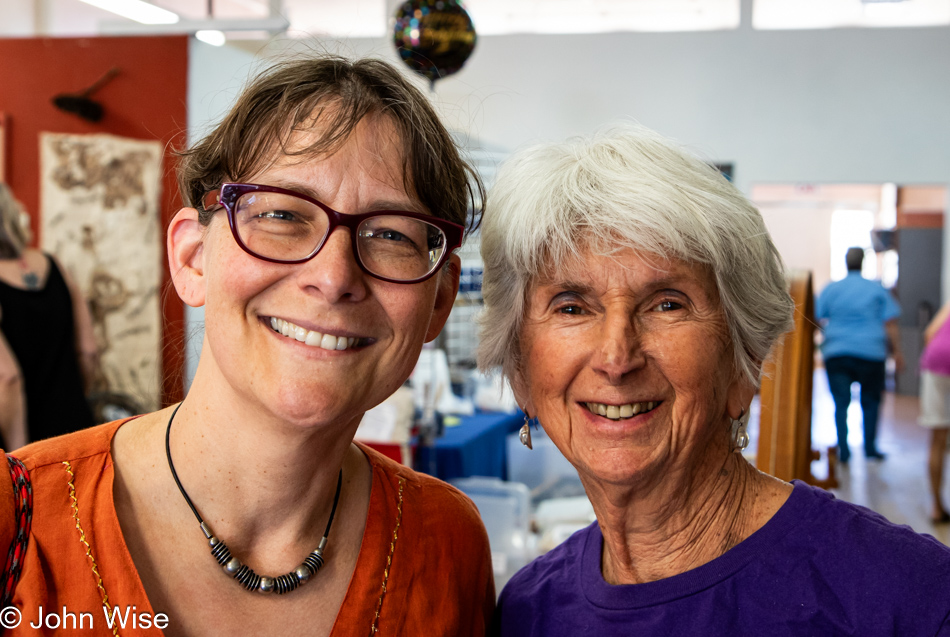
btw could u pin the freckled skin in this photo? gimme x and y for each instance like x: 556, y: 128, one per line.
x: 669, y: 492
x: 620, y: 329
x: 330, y: 291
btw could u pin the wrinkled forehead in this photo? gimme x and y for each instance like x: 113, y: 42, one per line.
x: 599, y: 258
x: 560, y: 259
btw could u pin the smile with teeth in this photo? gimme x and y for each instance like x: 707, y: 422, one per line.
x: 618, y: 412
x: 314, y: 339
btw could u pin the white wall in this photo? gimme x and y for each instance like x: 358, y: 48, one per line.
x: 827, y: 106
x: 839, y: 105
x: 823, y: 106
x: 215, y: 77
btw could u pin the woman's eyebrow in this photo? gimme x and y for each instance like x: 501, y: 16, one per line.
x: 377, y: 204
x: 390, y: 204
x: 568, y: 285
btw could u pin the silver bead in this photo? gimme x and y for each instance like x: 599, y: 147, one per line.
x: 213, y: 541
x: 233, y: 566
x: 266, y: 585
x: 302, y: 573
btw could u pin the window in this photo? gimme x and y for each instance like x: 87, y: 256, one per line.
x: 829, y: 14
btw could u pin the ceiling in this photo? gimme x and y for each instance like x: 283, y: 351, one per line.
x: 371, y: 18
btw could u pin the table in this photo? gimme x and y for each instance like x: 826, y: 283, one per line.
x: 476, y: 447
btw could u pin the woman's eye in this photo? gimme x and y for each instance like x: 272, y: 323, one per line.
x: 278, y: 215
x: 391, y: 235
x: 668, y: 306
x: 570, y: 309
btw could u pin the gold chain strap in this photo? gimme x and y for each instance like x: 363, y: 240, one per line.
x: 389, y: 559
x: 82, y: 538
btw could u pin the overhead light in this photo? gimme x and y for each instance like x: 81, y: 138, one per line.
x: 137, y: 10
x: 214, y: 38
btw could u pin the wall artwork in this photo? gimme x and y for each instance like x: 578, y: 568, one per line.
x: 100, y: 217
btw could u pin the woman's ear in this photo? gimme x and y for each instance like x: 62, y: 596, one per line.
x: 519, y: 387
x: 740, y: 397
x: 444, y: 296
x: 185, y: 243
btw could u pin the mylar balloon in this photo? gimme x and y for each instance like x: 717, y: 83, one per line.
x: 434, y: 37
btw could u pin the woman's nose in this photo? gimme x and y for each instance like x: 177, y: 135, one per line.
x: 619, y: 351
x: 334, y: 270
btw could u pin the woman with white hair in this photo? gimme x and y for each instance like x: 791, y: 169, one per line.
x: 631, y: 297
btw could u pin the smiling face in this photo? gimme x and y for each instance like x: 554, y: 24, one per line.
x: 319, y: 341
x: 627, y: 364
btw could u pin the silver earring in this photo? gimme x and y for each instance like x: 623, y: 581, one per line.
x: 740, y: 437
x: 525, y: 433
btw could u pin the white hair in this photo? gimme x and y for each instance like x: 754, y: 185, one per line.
x: 626, y: 187
x: 14, y: 234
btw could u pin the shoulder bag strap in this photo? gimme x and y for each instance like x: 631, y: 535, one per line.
x: 23, y: 498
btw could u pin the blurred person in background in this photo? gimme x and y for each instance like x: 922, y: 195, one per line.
x: 631, y: 296
x: 935, y: 403
x: 48, y: 352
x: 858, y: 318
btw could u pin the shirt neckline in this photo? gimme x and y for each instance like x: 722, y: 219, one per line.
x: 628, y: 596
x: 365, y: 553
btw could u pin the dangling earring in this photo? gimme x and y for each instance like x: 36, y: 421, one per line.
x: 740, y: 437
x: 525, y: 433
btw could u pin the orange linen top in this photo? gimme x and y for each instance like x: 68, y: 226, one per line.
x: 424, y: 563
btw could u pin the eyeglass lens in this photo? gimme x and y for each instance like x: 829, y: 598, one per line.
x: 283, y: 227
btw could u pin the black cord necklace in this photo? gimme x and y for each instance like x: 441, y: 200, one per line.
x: 241, y: 572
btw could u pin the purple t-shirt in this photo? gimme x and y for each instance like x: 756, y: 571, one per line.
x: 936, y: 356
x: 820, y: 566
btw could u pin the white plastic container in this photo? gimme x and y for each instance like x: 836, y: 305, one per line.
x: 505, y: 508
x: 539, y: 467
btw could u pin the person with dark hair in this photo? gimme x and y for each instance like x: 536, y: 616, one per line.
x: 319, y: 229
x: 48, y: 352
x: 859, y: 321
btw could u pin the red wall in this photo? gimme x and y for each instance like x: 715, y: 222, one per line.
x: 146, y: 100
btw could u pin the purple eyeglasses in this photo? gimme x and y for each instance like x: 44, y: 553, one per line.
x: 283, y: 226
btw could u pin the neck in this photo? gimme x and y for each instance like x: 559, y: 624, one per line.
x: 684, y: 522
x: 252, y: 477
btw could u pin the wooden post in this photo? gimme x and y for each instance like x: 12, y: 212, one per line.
x: 785, y: 449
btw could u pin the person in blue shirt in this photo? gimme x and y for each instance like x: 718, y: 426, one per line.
x: 859, y: 320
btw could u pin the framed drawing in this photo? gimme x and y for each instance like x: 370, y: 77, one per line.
x: 100, y: 199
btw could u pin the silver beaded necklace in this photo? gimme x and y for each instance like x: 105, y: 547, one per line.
x: 241, y: 572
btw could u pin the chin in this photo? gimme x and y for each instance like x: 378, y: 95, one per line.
x: 618, y: 467
x: 308, y: 410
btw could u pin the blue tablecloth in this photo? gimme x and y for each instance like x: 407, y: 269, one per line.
x: 476, y: 447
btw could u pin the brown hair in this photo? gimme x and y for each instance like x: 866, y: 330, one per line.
x: 292, y: 94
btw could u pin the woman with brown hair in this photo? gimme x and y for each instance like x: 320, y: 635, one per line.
x: 318, y: 232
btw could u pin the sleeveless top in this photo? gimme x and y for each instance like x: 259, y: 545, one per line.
x: 39, y: 326
x: 936, y: 356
